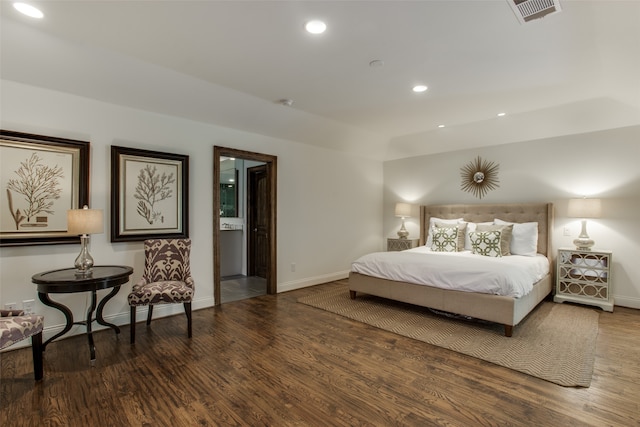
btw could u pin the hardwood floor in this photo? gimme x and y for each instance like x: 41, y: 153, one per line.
x: 270, y: 361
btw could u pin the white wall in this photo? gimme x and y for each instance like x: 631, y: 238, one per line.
x: 329, y: 204
x: 600, y: 164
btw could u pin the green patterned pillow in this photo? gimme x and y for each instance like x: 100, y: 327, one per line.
x: 486, y: 243
x: 505, y: 236
x: 461, y: 226
x: 445, y: 239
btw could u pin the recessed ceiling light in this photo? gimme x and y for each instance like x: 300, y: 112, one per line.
x: 502, y: 114
x: 28, y: 10
x: 440, y: 126
x: 376, y: 63
x: 419, y: 88
x: 315, y: 27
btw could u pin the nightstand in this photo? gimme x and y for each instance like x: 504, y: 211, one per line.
x: 401, y: 244
x: 584, y: 277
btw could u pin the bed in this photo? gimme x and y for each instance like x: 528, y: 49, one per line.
x: 503, y: 309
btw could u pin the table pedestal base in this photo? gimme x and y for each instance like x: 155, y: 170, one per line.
x: 90, y: 319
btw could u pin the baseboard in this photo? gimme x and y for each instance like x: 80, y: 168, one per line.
x: 312, y: 281
x: 628, y: 302
x: 164, y: 310
x: 119, y: 319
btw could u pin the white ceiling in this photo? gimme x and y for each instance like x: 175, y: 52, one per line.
x: 229, y: 62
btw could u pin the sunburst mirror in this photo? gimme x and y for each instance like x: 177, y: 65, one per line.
x: 479, y: 176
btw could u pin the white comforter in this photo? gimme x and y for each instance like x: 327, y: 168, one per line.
x: 512, y: 275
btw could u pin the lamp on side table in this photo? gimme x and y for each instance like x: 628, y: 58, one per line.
x: 84, y: 221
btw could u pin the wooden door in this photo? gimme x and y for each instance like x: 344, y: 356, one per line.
x: 258, y: 221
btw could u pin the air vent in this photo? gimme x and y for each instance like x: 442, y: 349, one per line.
x: 529, y: 10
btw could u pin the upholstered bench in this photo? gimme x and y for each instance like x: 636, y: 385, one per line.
x: 15, y: 326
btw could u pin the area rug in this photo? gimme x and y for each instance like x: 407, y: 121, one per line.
x: 555, y: 342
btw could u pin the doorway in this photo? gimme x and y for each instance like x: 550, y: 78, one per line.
x: 260, y: 227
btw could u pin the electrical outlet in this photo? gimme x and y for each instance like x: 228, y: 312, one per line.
x: 293, y: 267
x: 10, y: 306
x: 567, y: 231
x: 28, y: 306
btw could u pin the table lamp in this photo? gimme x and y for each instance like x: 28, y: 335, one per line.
x: 584, y: 208
x: 84, y: 221
x: 403, y: 210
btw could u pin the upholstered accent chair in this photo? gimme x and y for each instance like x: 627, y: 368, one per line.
x: 166, y: 279
x: 15, y: 326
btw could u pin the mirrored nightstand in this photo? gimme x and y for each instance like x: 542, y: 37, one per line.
x: 584, y: 277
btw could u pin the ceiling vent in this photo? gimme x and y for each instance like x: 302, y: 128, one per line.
x: 528, y: 10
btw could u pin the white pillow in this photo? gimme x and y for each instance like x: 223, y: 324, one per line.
x: 471, y: 227
x: 432, y: 221
x: 524, y: 238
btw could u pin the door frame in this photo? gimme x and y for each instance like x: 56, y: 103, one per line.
x: 272, y: 168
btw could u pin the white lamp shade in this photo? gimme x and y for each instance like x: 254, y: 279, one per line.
x: 403, y: 210
x: 584, y: 208
x: 85, y: 221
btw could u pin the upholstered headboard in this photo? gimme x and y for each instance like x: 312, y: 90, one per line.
x: 542, y: 213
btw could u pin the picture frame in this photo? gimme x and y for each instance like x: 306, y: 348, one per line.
x: 41, y: 177
x: 149, y: 195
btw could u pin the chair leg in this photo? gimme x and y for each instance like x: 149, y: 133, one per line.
x: 187, y: 310
x: 36, y: 347
x: 132, y: 324
x: 149, y: 314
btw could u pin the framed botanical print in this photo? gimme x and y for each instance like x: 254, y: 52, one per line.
x: 149, y: 195
x: 41, y: 177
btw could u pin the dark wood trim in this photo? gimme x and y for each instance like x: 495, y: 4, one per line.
x: 272, y: 169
